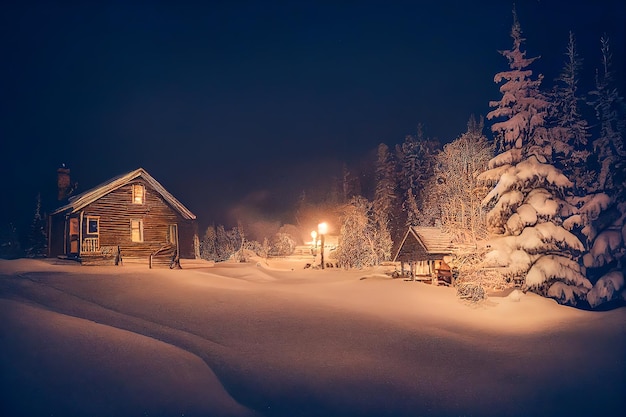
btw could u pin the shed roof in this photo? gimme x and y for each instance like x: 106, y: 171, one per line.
x: 432, y: 240
x: 80, y: 201
x: 435, y: 240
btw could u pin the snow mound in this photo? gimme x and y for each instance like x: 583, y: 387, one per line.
x: 515, y: 295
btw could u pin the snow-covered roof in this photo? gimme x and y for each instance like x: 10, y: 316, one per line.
x: 432, y: 240
x: 80, y: 201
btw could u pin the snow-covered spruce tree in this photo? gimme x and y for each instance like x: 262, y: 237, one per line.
x: 285, y: 240
x: 240, y: 253
x: 604, y: 213
x: 282, y: 244
x: 350, y: 184
x: 358, y: 236
x: 416, y: 161
x: 569, y: 130
x: 384, y: 201
x: 457, y: 189
x: 226, y: 243
x: 37, y: 243
x: 208, y: 244
x: 526, y: 203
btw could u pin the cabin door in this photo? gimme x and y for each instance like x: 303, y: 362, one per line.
x: 74, y: 236
x: 173, y: 235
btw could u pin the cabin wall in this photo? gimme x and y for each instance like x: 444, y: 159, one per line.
x: 116, y: 209
x: 56, y: 235
x: 188, y: 232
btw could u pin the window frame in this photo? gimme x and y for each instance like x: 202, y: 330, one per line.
x: 139, y: 229
x: 135, y: 194
x: 97, y: 220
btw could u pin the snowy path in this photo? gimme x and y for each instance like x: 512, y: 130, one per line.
x: 242, y: 340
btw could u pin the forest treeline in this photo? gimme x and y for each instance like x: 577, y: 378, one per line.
x: 534, y: 191
x: 541, y: 201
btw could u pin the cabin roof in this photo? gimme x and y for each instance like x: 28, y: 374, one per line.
x: 80, y: 201
x: 432, y: 239
x: 435, y: 240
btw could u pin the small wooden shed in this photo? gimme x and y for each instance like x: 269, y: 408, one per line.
x: 423, y: 249
x: 130, y: 217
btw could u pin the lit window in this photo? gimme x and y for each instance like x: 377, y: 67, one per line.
x: 93, y: 225
x: 139, y: 194
x: 136, y: 230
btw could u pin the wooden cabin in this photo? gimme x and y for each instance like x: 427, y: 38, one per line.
x: 423, y: 249
x: 129, y: 218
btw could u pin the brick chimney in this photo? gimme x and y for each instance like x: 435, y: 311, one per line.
x: 63, y: 182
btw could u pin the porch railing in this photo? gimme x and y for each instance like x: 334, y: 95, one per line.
x: 91, y: 244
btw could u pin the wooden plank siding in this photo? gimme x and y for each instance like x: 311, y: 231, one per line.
x: 117, y: 210
x: 56, y: 228
x: 97, y: 225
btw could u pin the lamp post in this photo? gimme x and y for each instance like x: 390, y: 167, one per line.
x: 322, y: 229
x: 314, y: 244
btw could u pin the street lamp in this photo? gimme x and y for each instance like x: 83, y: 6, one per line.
x: 322, y: 229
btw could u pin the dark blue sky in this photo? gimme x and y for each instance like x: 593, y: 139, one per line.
x: 233, y: 102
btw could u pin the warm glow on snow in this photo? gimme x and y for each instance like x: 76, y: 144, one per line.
x: 271, y: 338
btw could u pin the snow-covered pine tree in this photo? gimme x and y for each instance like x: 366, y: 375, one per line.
x: 226, y: 243
x: 416, y: 161
x: 526, y: 203
x: 283, y: 244
x: 208, y: 244
x: 350, y: 184
x: 604, y: 212
x: 609, y: 106
x: 264, y: 250
x: 37, y: 237
x: 569, y: 130
x: 457, y: 190
x: 240, y: 254
x: 358, y: 238
x: 384, y: 201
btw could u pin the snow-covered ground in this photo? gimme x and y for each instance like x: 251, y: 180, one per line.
x: 279, y: 340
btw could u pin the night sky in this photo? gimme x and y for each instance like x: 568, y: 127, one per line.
x: 245, y: 104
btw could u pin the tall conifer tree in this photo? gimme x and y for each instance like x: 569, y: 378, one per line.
x: 384, y: 201
x: 526, y: 203
x: 604, y: 213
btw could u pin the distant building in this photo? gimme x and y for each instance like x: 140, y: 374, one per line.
x: 129, y: 217
x: 423, y: 249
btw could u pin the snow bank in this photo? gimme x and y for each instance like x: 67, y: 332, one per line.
x: 284, y: 340
x: 87, y: 368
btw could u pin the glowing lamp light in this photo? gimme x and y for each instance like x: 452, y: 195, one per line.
x: 322, y: 228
